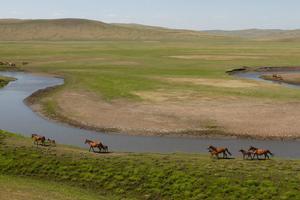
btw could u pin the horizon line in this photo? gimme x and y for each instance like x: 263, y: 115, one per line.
x: 151, y: 25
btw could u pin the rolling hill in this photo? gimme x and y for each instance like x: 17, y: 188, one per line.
x: 82, y: 29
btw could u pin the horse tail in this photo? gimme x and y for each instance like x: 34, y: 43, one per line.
x: 269, y: 152
x: 228, y: 151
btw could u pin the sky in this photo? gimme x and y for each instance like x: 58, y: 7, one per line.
x: 182, y: 14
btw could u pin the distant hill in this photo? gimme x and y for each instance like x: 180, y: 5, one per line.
x: 260, y: 34
x: 81, y: 29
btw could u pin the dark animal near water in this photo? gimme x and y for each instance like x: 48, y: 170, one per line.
x: 38, y: 139
x: 214, y: 151
x: 51, y: 142
x: 246, y: 154
x: 259, y: 152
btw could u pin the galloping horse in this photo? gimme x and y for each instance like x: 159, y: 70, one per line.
x: 216, y: 151
x: 98, y: 145
x: 258, y: 152
x: 38, y: 138
x: 246, y: 154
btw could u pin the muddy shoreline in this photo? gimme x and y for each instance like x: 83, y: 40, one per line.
x: 263, y: 69
x: 283, y: 79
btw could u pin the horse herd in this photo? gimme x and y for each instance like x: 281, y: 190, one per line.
x: 41, y: 140
x: 252, y: 152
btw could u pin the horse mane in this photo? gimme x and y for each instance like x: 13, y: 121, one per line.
x: 212, y: 147
x: 252, y: 147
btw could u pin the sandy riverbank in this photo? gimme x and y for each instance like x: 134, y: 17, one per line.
x: 196, y: 117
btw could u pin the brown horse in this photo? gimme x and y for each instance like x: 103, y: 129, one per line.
x: 38, y: 139
x: 277, y: 77
x: 94, y: 145
x: 246, y: 154
x: 259, y: 152
x: 216, y: 151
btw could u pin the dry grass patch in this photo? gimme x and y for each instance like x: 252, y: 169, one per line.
x: 216, y: 57
x: 216, y: 82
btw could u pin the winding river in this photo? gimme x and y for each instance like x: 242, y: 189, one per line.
x: 16, y: 117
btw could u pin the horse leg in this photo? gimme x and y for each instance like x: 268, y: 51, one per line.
x: 267, y: 156
x: 90, y: 148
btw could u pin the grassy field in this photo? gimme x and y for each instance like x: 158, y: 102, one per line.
x: 20, y: 188
x: 120, y: 69
x: 4, y: 81
x: 36, y: 171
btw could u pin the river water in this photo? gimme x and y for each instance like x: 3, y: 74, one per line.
x: 16, y: 117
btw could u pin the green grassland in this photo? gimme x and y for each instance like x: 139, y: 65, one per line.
x: 118, y: 60
x: 140, y: 176
x: 119, y: 69
x: 20, y: 188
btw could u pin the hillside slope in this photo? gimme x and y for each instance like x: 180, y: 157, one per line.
x: 81, y: 29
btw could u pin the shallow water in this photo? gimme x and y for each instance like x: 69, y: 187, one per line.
x: 16, y: 117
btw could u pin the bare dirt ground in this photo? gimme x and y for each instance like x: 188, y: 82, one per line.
x: 163, y: 113
x: 215, y: 82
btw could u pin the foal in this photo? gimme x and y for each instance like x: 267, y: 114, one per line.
x: 246, y: 154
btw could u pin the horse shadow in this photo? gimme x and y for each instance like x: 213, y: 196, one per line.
x: 102, y: 152
x: 226, y: 158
